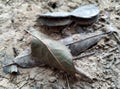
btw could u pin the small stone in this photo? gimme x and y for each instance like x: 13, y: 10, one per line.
x: 64, y: 8
x: 101, y: 43
x: 92, y: 58
x: 72, y: 5
x: 106, y: 47
x: 52, y: 79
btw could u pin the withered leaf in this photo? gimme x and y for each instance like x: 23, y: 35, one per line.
x: 84, y: 15
x: 79, y: 42
x: 51, y: 52
x: 54, y: 54
x: 8, y: 59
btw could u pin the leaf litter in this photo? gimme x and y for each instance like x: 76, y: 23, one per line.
x: 45, y: 51
x: 58, y: 55
x: 106, y: 76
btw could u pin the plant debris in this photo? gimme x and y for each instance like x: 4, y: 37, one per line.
x: 58, y: 55
x: 78, y: 43
x: 84, y: 15
x: 48, y: 52
x: 9, y: 59
x: 100, y: 61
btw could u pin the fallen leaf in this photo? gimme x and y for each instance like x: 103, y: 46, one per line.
x: 51, y: 52
x: 79, y: 42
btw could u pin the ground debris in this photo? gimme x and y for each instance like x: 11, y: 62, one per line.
x: 85, y: 15
x: 16, y: 15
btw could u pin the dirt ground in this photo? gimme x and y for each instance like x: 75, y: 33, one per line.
x: 104, y: 65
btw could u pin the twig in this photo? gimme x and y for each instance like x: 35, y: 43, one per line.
x: 113, y: 49
x: 82, y: 56
x: 23, y: 85
x: 67, y: 81
x: 107, y: 55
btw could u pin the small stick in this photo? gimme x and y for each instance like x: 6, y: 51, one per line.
x: 67, y: 81
x: 82, y: 56
x: 113, y: 49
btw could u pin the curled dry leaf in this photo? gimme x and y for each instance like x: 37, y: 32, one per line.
x: 84, y: 15
x: 81, y: 42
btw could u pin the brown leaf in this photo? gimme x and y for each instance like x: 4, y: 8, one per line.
x: 51, y: 52
x: 79, y: 42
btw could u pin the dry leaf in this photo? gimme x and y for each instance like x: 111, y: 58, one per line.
x: 51, y: 52
x: 54, y: 54
x: 79, y: 42
x: 84, y: 15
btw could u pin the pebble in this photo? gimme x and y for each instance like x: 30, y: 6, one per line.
x: 72, y: 5
x: 52, y: 79
x: 64, y: 8
x: 101, y: 43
